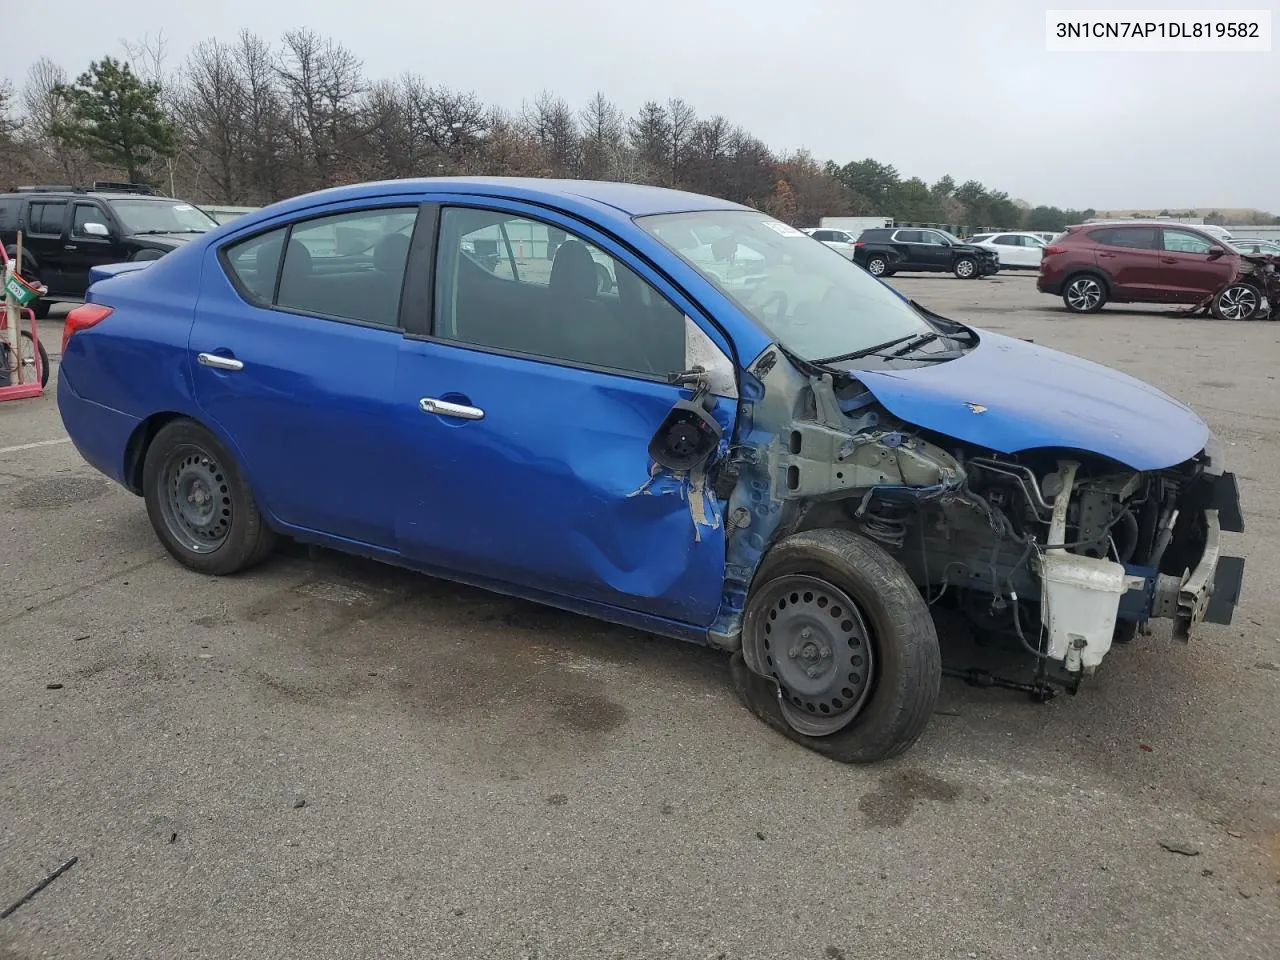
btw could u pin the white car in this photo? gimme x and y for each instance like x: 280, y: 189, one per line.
x: 1266, y: 248
x: 841, y: 241
x: 1012, y: 249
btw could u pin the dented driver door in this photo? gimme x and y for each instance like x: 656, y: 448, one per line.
x: 526, y: 412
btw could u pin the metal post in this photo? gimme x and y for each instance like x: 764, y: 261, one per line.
x: 11, y: 315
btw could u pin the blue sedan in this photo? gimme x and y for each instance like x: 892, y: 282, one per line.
x: 659, y: 409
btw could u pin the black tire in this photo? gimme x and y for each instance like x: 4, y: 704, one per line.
x: 1084, y: 293
x: 44, y: 358
x: 41, y: 309
x: 878, y: 266
x: 244, y: 539
x: 1240, y: 301
x: 966, y: 268
x: 908, y: 663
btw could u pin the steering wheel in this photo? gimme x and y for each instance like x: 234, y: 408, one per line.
x: 781, y: 310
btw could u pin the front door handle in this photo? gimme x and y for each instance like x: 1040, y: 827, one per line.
x: 1168, y: 259
x: 446, y: 409
x: 220, y: 363
x: 69, y: 246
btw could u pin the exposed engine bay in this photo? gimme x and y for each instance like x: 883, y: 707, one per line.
x: 1061, y: 551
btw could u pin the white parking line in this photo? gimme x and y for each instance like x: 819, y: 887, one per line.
x: 32, y: 446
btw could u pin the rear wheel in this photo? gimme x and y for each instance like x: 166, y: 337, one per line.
x: 1240, y: 301
x: 966, y: 268
x: 877, y: 265
x: 199, y: 504
x: 845, y: 645
x: 1084, y: 294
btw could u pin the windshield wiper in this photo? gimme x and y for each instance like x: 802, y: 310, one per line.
x: 147, y: 233
x: 867, y: 351
x: 915, y: 342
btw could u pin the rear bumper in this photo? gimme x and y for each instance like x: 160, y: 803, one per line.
x: 99, y: 433
x: 1048, y: 285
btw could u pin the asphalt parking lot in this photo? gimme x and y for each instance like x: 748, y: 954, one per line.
x: 329, y: 758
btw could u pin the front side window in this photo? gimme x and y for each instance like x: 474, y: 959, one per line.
x: 348, y: 266
x: 934, y: 239
x: 1008, y: 240
x: 814, y: 304
x: 161, y: 216
x: 1183, y: 241
x: 86, y: 213
x: 46, y: 218
x: 520, y: 285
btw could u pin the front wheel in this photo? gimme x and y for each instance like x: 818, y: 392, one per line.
x: 1240, y: 301
x: 199, y: 504
x: 966, y: 269
x: 843, y: 651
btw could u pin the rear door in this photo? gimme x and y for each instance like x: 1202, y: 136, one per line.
x: 1131, y: 261
x: 44, y: 236
x: 1187, y: 270
x: 910, y: 245
x: 293, y: 352
x: 524, y: 408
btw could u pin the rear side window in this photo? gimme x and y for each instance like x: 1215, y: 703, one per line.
x: 1136, y: 238
x: 909, y: 236
x: 47, y: 217
x: 874, y: 234
x: 349, y: 266
x: 256, y: 262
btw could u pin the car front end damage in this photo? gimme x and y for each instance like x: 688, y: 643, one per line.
x: 1253, y: 293
x: 1059, y: 550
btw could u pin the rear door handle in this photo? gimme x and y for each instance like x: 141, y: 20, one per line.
x: 446, y: 409
x: 1107, y: 256
x: 69, y: 246
x: 1168, y: 259
x: 220, y: 363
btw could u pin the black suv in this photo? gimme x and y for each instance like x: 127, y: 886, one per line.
x: 67, y: 230
x: 884, y: 251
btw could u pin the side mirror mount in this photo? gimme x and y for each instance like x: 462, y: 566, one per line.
x: 93, y: 229
x: 688, y: 435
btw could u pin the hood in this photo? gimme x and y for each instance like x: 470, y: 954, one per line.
x: 169, y: 240
x: 973, y: 248
x: 1009, y: 395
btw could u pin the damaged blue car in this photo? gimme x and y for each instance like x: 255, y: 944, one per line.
x: 658, y: 409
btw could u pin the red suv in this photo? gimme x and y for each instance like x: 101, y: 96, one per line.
x: 1147, y: 263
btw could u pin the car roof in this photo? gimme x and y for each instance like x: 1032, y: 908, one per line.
x: 605, y: 199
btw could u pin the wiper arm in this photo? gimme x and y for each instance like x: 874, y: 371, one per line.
x: 867, y: 351
x: 919, y: 341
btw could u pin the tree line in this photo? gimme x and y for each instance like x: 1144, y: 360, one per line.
x: 247, y: 122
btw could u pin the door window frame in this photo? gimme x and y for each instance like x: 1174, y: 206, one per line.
x: 105, y: 220
x: 48, y: 202
x: 420, y: 287
x: 422, y: 224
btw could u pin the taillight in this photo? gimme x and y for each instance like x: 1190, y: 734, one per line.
x: 1053, y: 249
x: 82, y: 318
x: 857, y: 244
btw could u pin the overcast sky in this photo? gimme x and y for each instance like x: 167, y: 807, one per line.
x: 964, y: 87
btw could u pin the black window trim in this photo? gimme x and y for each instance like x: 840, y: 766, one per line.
x: 398, y: 202
x: 501, y: 205
x: 47, y: 201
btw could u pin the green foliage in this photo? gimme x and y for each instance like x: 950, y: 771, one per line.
x: 117, y: 118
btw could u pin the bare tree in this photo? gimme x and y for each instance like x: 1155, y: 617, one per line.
x: 210, y: 105
x: 602, y: 138
x: 650, y: 134
x: 681, y: 119
x: 552, y: 126
x: 263, y: 119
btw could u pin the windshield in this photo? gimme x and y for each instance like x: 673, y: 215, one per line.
x: 161, y: 216
x: 810, y: 298
x: 951, y: 237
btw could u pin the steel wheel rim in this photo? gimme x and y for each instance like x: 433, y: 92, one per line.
x: 1237, y: 303
x: 27, y: 357
x: 195, y: 499
x: 965, y: 268
x: 1084, y: 294
x: 876, y: 267
x: 814, y: 641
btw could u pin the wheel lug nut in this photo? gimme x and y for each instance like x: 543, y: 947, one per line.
x: 793, y: 652
x: 806, y: 633
x: 813, y: 673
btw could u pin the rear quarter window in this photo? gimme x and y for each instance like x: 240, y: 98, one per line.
x: 255, y: 263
